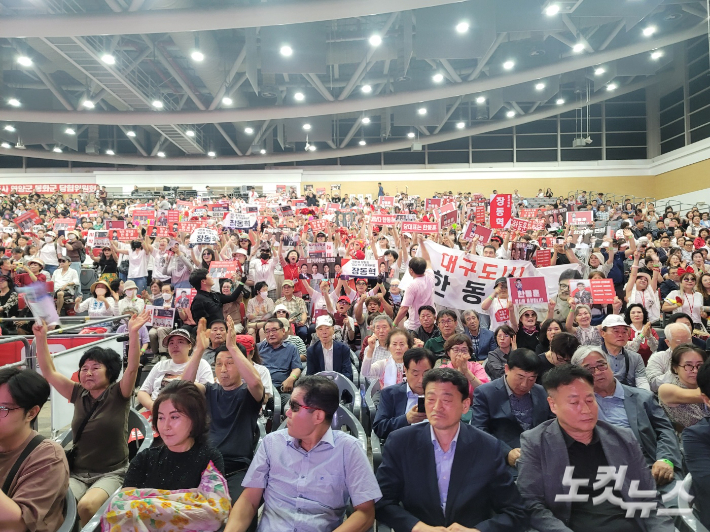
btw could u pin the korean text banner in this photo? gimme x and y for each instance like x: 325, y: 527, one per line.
x: 463, y: 281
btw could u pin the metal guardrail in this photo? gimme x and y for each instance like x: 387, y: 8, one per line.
x: 56, y: 332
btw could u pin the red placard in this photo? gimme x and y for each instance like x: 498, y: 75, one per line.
x: 184, y: 297
x: 124, y: 235
x: 223, y: 269
x: 64, y: 224
x: 420, y: 227
x: 432, y: 203
x: 115, y: 224
x: 318, y: 225
x: 189, y: 227
x: 527, y: 290
x: 383, y: 219
x: 520, y: 225
x: 543, y: 258
x: 592, y: 291
x: 144, y: 217
x: 386, y: 201
x: 501, y: 210
x: 580, y: 218
x: 481, y: 215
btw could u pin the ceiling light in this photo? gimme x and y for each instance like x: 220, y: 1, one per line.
x: 438, y: 77
x: 539, y: 86
x: 578, y: 48
x: 552, y: 10
x: 157, y: 104
x: 286, y: 50
x: 108, y: 59
x: 70, y: 131
x: 197, y: 56
x: 649, y: 30
x: 367, y: 89
x: 110, y: 152
x: 161, y: 154
x: 481, y: 99
x: 262, y: 151
x: 365, y: 120
x: 362, y: 142
x: 375, y: 40
x: 88, y: 104
x: 131, y: 133
x: 421, y: 111
x: 312, y: 147
x: 24, y: 61
x: 227, y: 100
x: 5, y: 145
x: 560, y: 101
x: 307, y: 127
x: 656, y: 54
x: 510, y: 114
x: 10, y: 128
x: 190, y: 133
x: 299, y: 97
x: 508, y: 65
x: 411, y: 135
x: 611, y: 86
x: 211, y: 154
x: 460, y: 125
x: 599, y: 71
x: 248, y: 130
x: 462, y: 27
x: 14, y: 102
x: 57, y: 149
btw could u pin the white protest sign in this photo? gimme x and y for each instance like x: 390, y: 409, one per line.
x: 235, y: 220
x: 202, y: 235
x: 360, y: 268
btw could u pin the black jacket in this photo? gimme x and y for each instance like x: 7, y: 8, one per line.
x: 209, y: 305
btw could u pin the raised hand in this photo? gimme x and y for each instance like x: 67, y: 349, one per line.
x: 137, y: 321
x: 231, y: 333
x: 39, y: 329
x: 202, y: 340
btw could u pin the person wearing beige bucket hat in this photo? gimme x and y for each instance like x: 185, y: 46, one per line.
x: 130, y: 290
x: 100, y: 305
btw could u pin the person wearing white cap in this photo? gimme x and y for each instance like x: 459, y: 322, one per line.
x: 130, y: 290
x: 627, y: 365
x: 326, y: 354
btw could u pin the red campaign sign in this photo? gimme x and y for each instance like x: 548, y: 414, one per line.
x: 481, y: 215
x: 64, y: 224
x: 184, y: 297
x: 592, y: 291
x: 47, y: 189
x: 483, y: 233
x: 318, y: 225
x: 420, y: 227
x: 528, y: 213
x: 173, y: 216
x: 27, y: 220
x: 281, y: 189
x: 183, y: 203
x: 432, y: 203
x: 519, y: 225
x: 157, y: 231
x: 537, y: 224
x: 223, y: 269
x: 189, y: 227
x: 446, y: 219
x: 115, y: 224
x: 144, y: 217
x: 217, y: 208
x: 124, y: 235
x: 332, y: 207
x: 527, y: 290
x: 386, y: 201
x: 501, y: 210
x: 580, y: 218
x: 543, y: 257
x: 448, y: 199
x: 383, y: 219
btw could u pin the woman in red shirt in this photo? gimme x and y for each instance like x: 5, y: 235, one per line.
x: 289, y: 263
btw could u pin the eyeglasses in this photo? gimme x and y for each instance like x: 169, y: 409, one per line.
x: 446, y: 322
x: 691, y: 367
x: 460, y: 350
x: 4, y: 410
x: 599, y: 367
x: 269, y: 331
x: 296, y: 406
x: 529, y: 315
x: 691, y: 279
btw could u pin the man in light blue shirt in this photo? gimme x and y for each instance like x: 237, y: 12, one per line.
x: 308, y: 473
x: 444, y: 460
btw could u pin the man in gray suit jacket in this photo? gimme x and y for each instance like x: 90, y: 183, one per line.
x: 635, y: 409
x: 561, y: 460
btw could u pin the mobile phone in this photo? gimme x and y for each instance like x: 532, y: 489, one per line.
x: 420, y: 405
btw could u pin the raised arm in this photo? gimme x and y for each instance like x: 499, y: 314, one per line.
x: 632, y: 276
x: 202, y: 340
x: 128, y: 381
x: 62, y: 384
x: 246, y: 369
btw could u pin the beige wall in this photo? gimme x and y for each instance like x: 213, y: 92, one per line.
x: 683, y: 180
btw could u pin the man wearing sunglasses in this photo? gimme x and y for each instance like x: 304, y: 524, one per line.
x: 309, y: 472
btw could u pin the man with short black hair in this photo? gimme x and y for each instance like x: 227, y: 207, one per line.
x: 32, y: 495
x: 427, y: 319
x: 206, y: 303
x: 218, y: 335
x: 446, y: 321
x: 467, y: 494
x: 280, y: 358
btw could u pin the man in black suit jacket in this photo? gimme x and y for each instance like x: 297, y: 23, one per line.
x: 512, y: 404
x: 444, y: 472
x: 398, y: 403
x: 338, y: 354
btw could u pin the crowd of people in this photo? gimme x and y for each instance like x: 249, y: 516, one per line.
x: 228, y: 302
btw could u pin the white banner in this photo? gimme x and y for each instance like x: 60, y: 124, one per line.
x: 202, y: 235
x: 360, y: 268
x: 463, y: 281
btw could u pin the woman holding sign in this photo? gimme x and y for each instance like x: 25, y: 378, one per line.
x: 498, y: 305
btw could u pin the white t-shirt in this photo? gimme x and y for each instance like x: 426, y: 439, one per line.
x: 48, y: 254
x: 265, y: 378
x: 160, y: 265
x: 137, y: 264
x: 167, y: 370
x: 499, y: 313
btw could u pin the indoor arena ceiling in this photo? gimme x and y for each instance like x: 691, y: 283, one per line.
x: 241, y: 82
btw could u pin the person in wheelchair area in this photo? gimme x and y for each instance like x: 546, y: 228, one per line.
x: 66, y: 281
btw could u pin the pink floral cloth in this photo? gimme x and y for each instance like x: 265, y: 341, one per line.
x: 205, y: 508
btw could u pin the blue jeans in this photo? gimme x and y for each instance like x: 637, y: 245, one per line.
x: 50, y: 269
x: 302, y: 333
x: 141, y: 283
x: 182, y: 284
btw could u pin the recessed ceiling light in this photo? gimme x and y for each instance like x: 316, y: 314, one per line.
x: 286, y: 50
x: 161, y: 154
x: 110, y: 152
x: 362, y: 142
x: 312, y: 147
x: 552, y: 10
x: 190, y: 133
x: 14, y: 102
x: 539, y: 86
x: 560, y: 101
x: 578, y: 48
x: 656, y: 54
x: 131, y: 133
x: 365, y: 120
x: 508, y: 65
x: 611, y: 86
x: 227, y: 100
x: 462, y: 27
x: 157, y: 104
x: 5, y: 145
x: 375, y: 40
x: 649, y: 30
x: 108, y: 59
x: 460, y: 125
x: 211, y: 154
x: 510, y: 114
x: 599, y: 71
x: 307, y: 127
x: 299, y: 97
x: 88, y: 104
x: 411, y: 135
x: 10, y: 128
x: 481, y: 99
x: 70, y: 131
x: 421, y: 111
x: 438, y: 77
x: 262, y: 151
x: 24, y: 61
x: 197, y: 56
x: 248, y: 130
x: 57, y: 149
x: 367, y: 89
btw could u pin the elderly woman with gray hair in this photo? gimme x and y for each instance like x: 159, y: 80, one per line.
x: 586, y: 333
